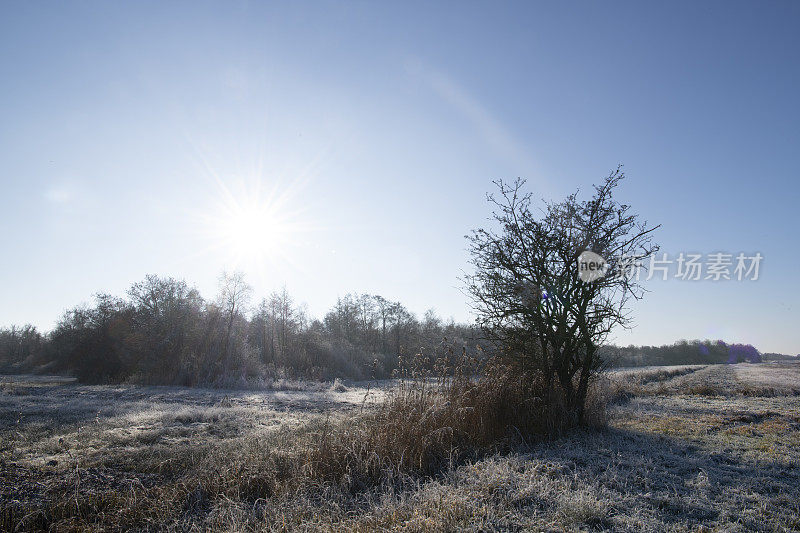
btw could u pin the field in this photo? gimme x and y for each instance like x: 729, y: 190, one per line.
x: 692, y: 448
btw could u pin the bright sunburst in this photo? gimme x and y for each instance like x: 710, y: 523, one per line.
x: 254, y: 231
x: 251, y: 228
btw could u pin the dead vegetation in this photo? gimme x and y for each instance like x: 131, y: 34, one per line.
x: 424, y: 427
x: 427, y: 427
x: 173, y: 459
x: 769, y: 379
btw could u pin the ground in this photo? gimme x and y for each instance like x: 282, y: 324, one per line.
x: 692, y: 448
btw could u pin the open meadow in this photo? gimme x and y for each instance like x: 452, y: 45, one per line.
x: 399, y: 266
x: 690, y: 448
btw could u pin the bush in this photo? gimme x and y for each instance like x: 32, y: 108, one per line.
x: 427, y: 425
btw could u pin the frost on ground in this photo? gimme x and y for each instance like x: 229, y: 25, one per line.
x: 691, y: 448
x: 54, y: 420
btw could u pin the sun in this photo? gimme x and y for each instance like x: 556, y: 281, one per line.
x: 254, y: 231
x: 250, y: 229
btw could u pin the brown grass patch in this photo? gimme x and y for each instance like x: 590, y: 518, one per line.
x: 426, y: 426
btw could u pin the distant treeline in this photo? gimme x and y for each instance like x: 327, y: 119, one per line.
x: 164, y: 332
x: 686, y: 353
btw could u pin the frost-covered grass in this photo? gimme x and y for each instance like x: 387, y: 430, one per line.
x: 686, y: 449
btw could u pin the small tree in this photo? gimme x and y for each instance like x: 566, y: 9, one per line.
x: 233, y: 298
x: 528, y: 296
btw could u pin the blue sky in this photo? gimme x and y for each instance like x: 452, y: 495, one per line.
x: 133, y: 135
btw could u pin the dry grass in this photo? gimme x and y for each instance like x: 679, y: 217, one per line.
x: 177, y: 459
x: 425, y: 427
x: 768, y: 379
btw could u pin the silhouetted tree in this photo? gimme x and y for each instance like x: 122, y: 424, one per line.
x: 233, y: 297
x: 527, y: 293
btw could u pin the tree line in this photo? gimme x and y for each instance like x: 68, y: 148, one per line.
x: 683, y: 352
x: 164, y: 332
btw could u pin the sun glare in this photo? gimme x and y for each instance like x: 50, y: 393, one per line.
x: 254, y: 231
x: 251, y: 229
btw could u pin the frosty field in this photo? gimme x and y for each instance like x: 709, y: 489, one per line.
x: 691, y: 448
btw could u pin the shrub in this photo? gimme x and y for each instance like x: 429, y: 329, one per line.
x: 427, y: 425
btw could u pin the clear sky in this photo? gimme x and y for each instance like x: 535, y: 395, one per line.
x: 353, y: 143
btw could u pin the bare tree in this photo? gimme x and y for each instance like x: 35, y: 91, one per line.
x: 262, y: 332
x: 528, y: 295
x: 286, y: 316
x: 403, y: 324
x: 384, y: 308
x: 366, y: 320
x: 234, y: 296
x: 164, y: 310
